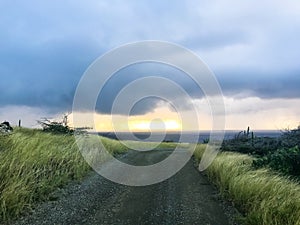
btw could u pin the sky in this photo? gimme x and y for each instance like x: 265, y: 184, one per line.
x: 252, y: 47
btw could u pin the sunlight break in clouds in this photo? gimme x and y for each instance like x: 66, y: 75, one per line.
x: 154, y: 125
x: 160, y: 119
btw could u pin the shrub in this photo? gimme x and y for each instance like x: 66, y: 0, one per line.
x: 280, y: 154
x: 56, y: 127
x: 284, y: 160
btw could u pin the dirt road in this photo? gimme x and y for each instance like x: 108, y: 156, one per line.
x: 185, y: 198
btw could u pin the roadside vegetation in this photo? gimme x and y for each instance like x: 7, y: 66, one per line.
x: 33, y: 163
x: 281, y: 154
x: 260, y: 176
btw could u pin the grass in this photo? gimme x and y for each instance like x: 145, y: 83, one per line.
x: 262, y: 195
x: 34, y: 163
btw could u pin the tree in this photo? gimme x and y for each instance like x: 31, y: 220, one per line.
x: 56, y: 127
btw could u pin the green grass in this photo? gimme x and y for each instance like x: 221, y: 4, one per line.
x: 262, y: 195
x: 33, y: 164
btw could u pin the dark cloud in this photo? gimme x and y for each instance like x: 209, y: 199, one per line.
x: 56, y: 91
x: 257, y: 84
x: 162, y: 93
x: 46, y: 46
x: 46, y: 76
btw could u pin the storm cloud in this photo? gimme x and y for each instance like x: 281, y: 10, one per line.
x: 46, y: 46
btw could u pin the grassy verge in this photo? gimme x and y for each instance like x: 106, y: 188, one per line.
x: 262, y: 195
x: 34, y: 163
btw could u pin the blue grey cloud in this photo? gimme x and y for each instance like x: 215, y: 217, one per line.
x: 133, y: 72
x: 47, y: 45
x: 265, y: 86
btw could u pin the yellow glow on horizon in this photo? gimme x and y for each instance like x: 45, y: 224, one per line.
x: 139, y: 125
x: 159, y: 120
x: 172, y: 125
x: 147, y: 125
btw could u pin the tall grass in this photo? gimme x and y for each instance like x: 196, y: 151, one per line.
x: 263, y: 196
x: 34, y: 163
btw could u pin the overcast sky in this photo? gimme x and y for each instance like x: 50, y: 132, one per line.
x: 45, y: 47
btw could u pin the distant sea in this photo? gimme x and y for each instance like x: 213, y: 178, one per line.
x: 187, y: 136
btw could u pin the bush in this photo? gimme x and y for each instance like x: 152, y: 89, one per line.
x: 56, y: 127
x: 280, y: 154
x: 284, y: 160
x: 291, y: 138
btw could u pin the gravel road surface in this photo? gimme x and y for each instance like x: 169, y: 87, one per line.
x: 185, y: 198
